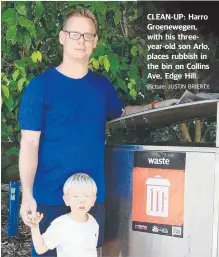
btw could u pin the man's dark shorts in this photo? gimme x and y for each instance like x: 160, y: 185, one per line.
x: 51, y: 212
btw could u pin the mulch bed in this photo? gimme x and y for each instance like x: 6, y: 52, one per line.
x: 19, y: 245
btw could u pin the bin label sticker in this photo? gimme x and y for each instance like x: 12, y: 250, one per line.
x: 158, y: 193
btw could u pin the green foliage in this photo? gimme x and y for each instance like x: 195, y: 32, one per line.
x: 13, y: 150
x: 30, y: 45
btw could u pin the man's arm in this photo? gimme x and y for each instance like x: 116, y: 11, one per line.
x: 140, y: 108
x: 28, y: 161
x: 136, y: 108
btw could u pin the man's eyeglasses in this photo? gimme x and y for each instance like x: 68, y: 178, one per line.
x: 76, y: 35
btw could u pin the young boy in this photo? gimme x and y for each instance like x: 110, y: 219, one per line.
x: 74, y: 234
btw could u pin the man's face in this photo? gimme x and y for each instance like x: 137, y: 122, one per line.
x: 78, y: 49
x: 80, y: 199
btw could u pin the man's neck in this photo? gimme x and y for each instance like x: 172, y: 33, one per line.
x: 75, y: 70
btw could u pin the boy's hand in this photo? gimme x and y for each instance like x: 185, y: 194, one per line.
x: 35, y: 221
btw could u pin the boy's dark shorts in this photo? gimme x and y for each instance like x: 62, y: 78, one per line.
x: 51, y: 212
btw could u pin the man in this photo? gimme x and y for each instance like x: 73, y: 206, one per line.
x: 62, y: 118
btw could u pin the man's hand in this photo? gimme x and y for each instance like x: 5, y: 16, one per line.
x: 165, y: 103
x: 28, y: 209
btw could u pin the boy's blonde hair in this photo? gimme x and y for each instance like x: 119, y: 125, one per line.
x: 79, y: 179
x: 81, y: 12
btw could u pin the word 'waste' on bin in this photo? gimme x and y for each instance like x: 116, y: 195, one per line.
x: 13, y: 208
x: 162, y: 199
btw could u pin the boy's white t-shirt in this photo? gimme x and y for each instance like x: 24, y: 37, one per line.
x: 71, y: 238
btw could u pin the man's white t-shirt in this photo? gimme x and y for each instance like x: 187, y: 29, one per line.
x: 72, y: 238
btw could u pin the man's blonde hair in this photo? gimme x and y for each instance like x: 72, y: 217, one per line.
x: 81, y: 12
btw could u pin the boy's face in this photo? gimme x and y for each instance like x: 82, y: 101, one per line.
x: 80, y: 199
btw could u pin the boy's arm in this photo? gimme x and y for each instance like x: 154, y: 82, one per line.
x: 37, y: 238
x: 48, y: 240
x: 38, y: 242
